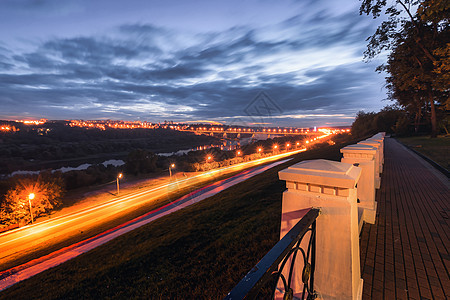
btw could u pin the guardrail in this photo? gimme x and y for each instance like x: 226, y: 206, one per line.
x: 265, y: 276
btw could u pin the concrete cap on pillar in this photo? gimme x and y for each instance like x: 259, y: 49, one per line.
x: 359, y: 148
x: 380, y: 134
x: 376, y: 138
x: 323, y: 172
x: 370, y: 142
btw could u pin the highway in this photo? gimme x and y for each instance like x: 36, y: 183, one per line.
x: 27, y: 270
x: 23, y: 241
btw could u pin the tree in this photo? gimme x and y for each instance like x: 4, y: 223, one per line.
x: 140, y: 161
x: 419, y: 43
x: 412, y: 75
x: 16, y: 205
x: 399, y: 12
x: 363, y: 124
x: 370, y: 123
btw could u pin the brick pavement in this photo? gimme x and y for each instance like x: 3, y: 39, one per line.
x: 404, y: 255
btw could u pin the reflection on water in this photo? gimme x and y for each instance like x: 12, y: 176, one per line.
x: 113, y: 162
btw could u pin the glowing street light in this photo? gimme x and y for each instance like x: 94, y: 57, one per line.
x: 287, y: 146
x: 119, y: 176
x: 31, y: 197
x: 297, y: 144
x: 238, y: 153
x: 208, y: 158
x: 275, y: 148
x: 170, y: 169
x: 259, y: 149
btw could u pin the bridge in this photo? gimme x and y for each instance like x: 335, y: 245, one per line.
x: 258, y: 133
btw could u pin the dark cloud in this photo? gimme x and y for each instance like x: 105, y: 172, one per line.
x: 214, y: 76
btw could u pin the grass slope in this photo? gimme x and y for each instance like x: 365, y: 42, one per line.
x: 200, y: 252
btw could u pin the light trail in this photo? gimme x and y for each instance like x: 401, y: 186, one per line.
x: 18, y: 243
x: 25, y: 271
x: 22, y: 241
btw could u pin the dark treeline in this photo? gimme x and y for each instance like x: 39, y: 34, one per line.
x: 398, y: 121
x: 54, y: 145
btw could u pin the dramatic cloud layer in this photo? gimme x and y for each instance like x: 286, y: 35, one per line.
x: 306, y: 59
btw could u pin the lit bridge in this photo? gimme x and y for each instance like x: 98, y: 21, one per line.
x: 254, y: 132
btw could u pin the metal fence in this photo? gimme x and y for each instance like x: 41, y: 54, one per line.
x: 263, y: 279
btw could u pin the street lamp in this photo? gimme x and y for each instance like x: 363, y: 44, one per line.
x: 259, y: 149
x: 287, y: 146
x: 238, y: 153
x: 119, y: 176
x: 298, y: 144
x: 170, y: 169
x: 31, y: 197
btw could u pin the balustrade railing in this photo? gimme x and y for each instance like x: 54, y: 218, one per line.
x: 266, y: 275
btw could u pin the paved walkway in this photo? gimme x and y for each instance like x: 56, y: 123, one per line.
x: 404, y: 255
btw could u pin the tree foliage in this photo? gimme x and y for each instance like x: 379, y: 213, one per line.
x: 417, y: 35
x: 385, y: 120
x: 140, y: 161
x: 15, y: 206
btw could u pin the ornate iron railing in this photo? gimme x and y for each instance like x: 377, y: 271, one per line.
x: 269, y: 269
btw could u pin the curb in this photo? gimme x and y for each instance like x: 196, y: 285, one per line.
x: 430, y: 161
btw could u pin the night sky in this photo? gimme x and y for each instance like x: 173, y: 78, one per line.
x: 187, y: 61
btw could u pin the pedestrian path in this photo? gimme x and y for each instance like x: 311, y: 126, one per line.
x: 404, y: 255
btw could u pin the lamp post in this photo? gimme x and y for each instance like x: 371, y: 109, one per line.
x: 259, y: 150
x: 287, y: 147
x: 170, y: 169
x: 275, y: 147
x: 31, y: 197
x: 119, y: 176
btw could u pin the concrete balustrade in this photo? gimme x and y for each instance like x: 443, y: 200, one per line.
x: 379, y: 138
x: 378, y: 163
x: 365, y: 157
x: 330, y: 186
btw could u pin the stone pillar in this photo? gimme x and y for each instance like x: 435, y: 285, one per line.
x: 379, y: 138
x: 378, y: 163
x: 364, y: 157
x: 330, y: 186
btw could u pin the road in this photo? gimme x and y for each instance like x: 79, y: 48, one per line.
x: 22, y: 272
x: 37, y: 237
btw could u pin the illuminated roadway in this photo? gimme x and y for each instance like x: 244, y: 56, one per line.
x: 39, y: 236
x: 28, y: 239
x: 27, y: 270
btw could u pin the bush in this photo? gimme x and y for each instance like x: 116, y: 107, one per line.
x: 17, y: 202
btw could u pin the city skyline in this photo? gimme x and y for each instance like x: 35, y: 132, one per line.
x: 166, y: 60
